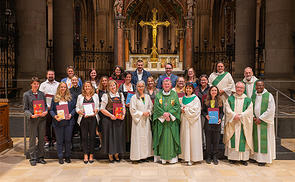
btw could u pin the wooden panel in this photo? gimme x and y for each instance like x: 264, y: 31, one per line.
x: 5, y: 140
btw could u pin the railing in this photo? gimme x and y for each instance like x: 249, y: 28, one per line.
x: 101, y: 59
x: 277, y: 102
x: 204, y: 60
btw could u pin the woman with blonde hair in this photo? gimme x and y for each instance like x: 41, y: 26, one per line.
x: 191, y: 77
x: 88, y: 123
x: 113, y: 136
x: 151, y: 87
x: 63, y: 127
x: 180, y: 85
x: 102, y: 89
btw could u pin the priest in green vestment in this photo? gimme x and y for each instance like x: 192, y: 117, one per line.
x: 263, y: 126
x: 166, y: 120
x: 238, y: 126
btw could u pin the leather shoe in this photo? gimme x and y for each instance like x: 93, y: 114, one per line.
x: 91, y: 161
x: 42, y: 161
x: 67, y: 160
x: 145, y: 160
x: 232, y: 162
x: 208, y: 160
x: 33, y: 162
x: 244, y: 163
x: 215, y: 161
x: 111, y: 161
x: 261, y: 164
x: 61, y: 160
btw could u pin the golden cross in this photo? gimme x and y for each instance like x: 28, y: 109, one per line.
x: 154, y: 23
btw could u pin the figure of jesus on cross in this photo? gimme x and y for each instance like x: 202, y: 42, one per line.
x: 154, y: 23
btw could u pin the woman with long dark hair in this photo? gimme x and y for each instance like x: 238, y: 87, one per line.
x: 212, y: 131
x: 118, y: 73
x: 93, y: 77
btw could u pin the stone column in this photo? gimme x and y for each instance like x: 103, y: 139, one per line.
x: 279, y: 30
x: 119, y: 41
x: 31, y: 20
x: 63, y: 20
x: 245, y: 36
x: 126, y: 36
x: 181, y: 45
x: 189, y: 42
x: 50, y: 19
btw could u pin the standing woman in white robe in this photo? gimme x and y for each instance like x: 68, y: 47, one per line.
x: 190, y: 128
x: 141, y: 135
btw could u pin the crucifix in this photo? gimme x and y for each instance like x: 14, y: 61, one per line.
x: 166, y: 104
x: 154, y: 23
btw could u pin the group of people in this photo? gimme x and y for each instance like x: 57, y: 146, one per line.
x: 167, y: 120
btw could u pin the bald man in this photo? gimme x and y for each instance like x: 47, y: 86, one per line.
x: 238, y: 126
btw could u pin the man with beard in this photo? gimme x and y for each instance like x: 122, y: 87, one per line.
x: 49, y: 88
x: 249, y: 82
x: 172, y: 77
x: 140, y: 73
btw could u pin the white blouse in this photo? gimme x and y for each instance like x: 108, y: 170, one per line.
x: 105, y: 100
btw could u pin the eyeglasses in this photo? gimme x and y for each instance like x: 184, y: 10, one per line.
x: 168, y: 68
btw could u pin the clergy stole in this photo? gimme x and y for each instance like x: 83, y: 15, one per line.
x: 253, y: 91
x: 219, y: 78
x: 263, y: 125
x: 247, y: 102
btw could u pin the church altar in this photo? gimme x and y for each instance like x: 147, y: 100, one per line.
x: 155, y: 67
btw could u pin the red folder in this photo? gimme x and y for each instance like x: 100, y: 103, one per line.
x: 203, y: 98
x: 65, y: 110
x: 118, y: 110
x: 38, y: 106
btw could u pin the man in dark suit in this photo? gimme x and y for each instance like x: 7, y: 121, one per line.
x: 173, y: 78
x: 140, y: 73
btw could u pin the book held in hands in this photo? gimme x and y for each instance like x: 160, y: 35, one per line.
x: 118, y: 110
x: 48, y: 99
x: 88, y: 109
x: 38, y: 106
x: 214, y: 115
x: 129, y: 95
x: 63, y: 111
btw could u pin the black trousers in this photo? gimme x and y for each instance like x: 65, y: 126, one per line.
x: 212, y: 138
x: 88, y: 126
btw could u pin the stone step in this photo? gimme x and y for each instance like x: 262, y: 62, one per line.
x: 282, y: 153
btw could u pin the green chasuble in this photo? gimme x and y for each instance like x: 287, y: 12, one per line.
x: 263, y: 125
x: 254, y: 88
x: 219, y: 78
x: 166, y: 142
x: 231, y: 102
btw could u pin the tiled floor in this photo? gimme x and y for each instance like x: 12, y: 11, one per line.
x: 15, y: 168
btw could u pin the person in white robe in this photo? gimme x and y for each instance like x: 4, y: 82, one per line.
x: 238, y: 128
x: 263, y: 127
x: 141, y: 135
x: 190, y: 127
x: 224, y: 82
x: 249, y: 82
